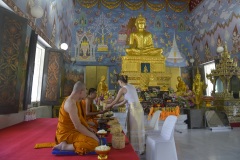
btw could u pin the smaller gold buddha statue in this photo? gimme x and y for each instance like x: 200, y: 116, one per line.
x: 141, y: 41
x: 102, y: 88
x: 198, y: 88
x: 152, y: 80
x: 181, y: 86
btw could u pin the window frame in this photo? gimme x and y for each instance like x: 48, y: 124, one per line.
x: 37, y: 78
x: 207, y: 70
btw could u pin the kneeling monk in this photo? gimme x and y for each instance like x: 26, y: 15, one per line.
x: 73, y: 132
x: 89, y: 113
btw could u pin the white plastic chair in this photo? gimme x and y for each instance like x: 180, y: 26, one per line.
x: 162, y: 146
x: 153, y: 124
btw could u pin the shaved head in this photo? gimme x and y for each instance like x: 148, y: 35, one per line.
x: 79, y: 90
x: 78, y: 86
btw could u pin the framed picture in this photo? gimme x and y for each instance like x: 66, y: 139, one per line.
x: 145, y: 68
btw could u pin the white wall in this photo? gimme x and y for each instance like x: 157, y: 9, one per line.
x: 15, y: 118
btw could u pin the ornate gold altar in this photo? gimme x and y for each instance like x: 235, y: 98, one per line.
x: 224, y: 100
x: 144, y: 71
x: 144, y: 64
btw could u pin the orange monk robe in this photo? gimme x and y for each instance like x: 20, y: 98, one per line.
x: 89, y: 118
x: 67, y: 132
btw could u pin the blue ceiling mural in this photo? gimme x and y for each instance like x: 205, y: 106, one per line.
x: 214, y: 24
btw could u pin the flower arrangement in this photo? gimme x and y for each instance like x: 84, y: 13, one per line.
x: 185, y: 100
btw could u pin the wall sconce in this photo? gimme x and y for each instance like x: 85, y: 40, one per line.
x: 220, y: 49
x: 64, y: 46
x: 36, y: 11
x: 192, y: 61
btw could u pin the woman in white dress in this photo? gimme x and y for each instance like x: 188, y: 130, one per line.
x: 135, y: 117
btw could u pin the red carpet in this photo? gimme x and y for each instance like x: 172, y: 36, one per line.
x: 17, y: 143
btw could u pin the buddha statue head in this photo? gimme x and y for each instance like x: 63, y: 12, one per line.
x: 140, y: 22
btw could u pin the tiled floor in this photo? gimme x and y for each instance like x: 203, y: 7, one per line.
x: 203, y: 144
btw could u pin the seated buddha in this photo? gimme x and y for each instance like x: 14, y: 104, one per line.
x: 141, y: 42
x: 181, y: 87
x: 102, y: 88
x: 152, y: 80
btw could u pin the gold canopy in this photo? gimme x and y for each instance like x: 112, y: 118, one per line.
x: 177, y: 7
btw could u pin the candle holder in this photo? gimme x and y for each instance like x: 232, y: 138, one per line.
x: 208, y: 100
x: 102, y: 155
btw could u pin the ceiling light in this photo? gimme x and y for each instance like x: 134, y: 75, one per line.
x: 64, y: 46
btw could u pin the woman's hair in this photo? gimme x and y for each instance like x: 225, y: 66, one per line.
x: 123, y: 78
x: 91, y: 90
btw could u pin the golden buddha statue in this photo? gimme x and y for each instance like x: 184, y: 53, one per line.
x: 141, y: 50
x: 102, y: 88
x: 141, y: 42
x: 181, y: 86
x: 152, y: 80
x: 198, y: 88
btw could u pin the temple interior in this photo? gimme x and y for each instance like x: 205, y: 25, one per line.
x: 182, y: 57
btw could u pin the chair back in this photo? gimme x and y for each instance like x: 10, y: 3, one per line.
x: 168, y: 127
x: 154, y: 121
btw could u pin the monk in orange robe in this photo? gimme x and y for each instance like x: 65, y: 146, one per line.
x: 73, y: 132
x: 89, y: 113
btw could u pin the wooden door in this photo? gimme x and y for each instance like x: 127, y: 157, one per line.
x: 93, y: 75
x: 52, y: 71
x: 12, y: 61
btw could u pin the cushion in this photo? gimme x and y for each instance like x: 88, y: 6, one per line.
x: 103, y: 141
x: 68, y: 153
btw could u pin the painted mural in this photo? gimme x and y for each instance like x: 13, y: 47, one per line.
x: 215, y: 23
x: 101, y: 35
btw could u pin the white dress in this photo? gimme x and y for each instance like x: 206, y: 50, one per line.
x: 135, y: 119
